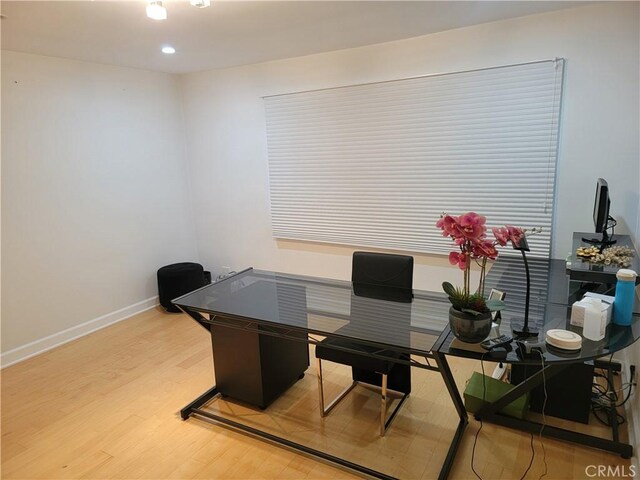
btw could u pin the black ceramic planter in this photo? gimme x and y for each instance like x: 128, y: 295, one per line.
x: 469, y: 328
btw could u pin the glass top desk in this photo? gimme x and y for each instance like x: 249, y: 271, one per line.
x: 285, y: 306
x: 549, y: 309
x: 281, y: 302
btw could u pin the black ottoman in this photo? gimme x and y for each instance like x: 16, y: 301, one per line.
x: 177, y: 279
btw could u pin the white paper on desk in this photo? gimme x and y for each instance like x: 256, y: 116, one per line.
x: 594, y: 323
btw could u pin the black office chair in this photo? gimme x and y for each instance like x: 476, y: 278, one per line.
x: 384, y: 277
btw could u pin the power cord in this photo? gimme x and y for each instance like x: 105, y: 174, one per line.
x: 605, y: 399
x: 544, y: 417
x: 222, y: 276
x: 533, y: 456
x: 611, y: 224
x: 544, y: 421
x: 475, y: 438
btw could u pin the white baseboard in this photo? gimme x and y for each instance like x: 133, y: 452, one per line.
x: 52, y: 341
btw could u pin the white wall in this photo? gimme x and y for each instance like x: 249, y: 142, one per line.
x: 95, y: 185
x: 94, y: 195
x: 228, y: 153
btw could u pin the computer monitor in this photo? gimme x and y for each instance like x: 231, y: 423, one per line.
x: 601, y: 207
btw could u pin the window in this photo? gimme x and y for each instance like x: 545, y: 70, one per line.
x: 374, y: 165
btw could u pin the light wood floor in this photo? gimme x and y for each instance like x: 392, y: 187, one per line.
x: 106, y: 406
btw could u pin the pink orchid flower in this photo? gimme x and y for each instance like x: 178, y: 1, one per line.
x: 473, y: 225
x: 515, y: 234
x: 458, y: 258
x: 501, y: 234
x: 472, y: 218
x: 450, y: 226
x: 485, y: 248
x: 468, y: 232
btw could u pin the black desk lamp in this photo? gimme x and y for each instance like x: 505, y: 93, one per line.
x: 520, y: 328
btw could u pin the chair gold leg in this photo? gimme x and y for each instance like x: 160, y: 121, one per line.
x: 383, y: 405
x: 384, y: 395
x: 324, y: 411
x: 320, y: 389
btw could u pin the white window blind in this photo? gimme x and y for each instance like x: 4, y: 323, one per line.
x: 374, y: 165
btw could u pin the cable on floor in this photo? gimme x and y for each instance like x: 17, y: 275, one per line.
x: 544, y: 418
x: 605, y: 398
x: 475, y: 438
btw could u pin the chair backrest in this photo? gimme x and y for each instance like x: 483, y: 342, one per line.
x: 383, y: 276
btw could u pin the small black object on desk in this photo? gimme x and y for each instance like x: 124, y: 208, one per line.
x: 530, y: 349
x: 498, y: 353
x: 500, y: 341
x: 519, y: 328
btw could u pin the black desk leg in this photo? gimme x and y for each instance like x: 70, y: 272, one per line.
x: 623, y: 449
x: 290, y: 444
x: 198, y: 402
x: 450, y: 383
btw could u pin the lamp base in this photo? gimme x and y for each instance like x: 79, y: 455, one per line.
x: 520, y: 330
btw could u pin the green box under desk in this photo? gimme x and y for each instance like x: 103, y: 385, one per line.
x: 473, y: 395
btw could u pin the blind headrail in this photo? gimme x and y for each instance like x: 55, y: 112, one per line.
x: 556, y: 61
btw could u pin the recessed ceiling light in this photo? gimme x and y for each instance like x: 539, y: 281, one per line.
x: 156, y: 11
x: 200, y: 3
x: 168, y: 49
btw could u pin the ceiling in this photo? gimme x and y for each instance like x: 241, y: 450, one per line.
x: 233, y: 32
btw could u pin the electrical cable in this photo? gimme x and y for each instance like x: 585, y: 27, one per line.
x: 533, y: 455
x: 475, y: 438
x: 606, y: 379
x: 544, y: 417
x: 598, y: 390
x: 602, y: 394
x: 544, y: 423
x: 625, y: 399
x: 606, y: 421
x: 611, y: 226
x: 533, y: 451
x: 622, y: 387
x: 605, y: 399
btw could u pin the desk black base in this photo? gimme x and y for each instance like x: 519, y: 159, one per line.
x: 450, y: 383
x: 193, y: 409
